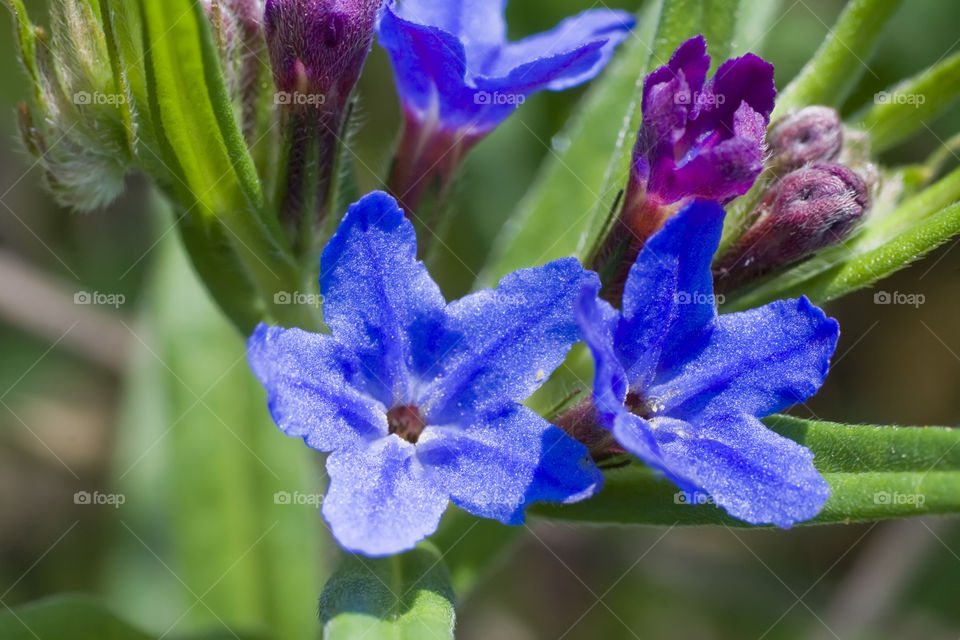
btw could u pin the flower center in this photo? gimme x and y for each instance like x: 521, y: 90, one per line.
x: 637, y: 405
x: 406, y: 422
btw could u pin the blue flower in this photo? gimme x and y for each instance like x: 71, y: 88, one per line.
x: 682, y: 388
x: 418, y: 400
x: 458, y: 76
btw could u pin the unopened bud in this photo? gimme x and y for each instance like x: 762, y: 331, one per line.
x: 317, y: 49
x: 813, y: 134
x: 807, y: 210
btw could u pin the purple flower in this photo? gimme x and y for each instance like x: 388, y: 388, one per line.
x: 698, y: 138
x: 682, y: 388
x: 458, y: 76
x: 418, y: 400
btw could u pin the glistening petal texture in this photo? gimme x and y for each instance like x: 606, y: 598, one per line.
x: 429, y: 64
x: 755, y: 474
x: 378, y: 299
x: 314, y: 388
x: 502, y: 344
x: 598, y: 323
x: 596, y: 32
x: 473, y: 21
x: 498, y: 465
x: 668, y: 298
x: 380, y: 501
x: 756, y: 362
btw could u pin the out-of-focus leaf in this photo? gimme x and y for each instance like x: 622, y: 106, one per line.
x: 904, y: 108
x: 874, y: 473
x: 215, y: 490
x: 473, y: 547
x: 886, y: 243
x: 842, y: 59
x: 73, y: 617
x: 403, y: 597
x: 81, y: 617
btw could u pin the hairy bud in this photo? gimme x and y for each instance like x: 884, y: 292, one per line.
x: 813, y: 134
x: 807, y: 210
x: 317, y: 51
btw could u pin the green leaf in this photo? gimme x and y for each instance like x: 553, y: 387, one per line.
x: 210, y: 172
x: 202, y: 464
x: 68, y: 616
x: 873, y: 472
x: 885, y: 244
x: 403, y: 597
x: 910, y: 104
x: 841, y: 60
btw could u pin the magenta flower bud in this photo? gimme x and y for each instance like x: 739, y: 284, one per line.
x: 813, y: 134
x: 317, y: 49
x: 809, y: 209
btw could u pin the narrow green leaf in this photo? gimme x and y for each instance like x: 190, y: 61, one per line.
x: 885, y: 244
x: 210, y: 172
x: 403, y: 597
x: 842, y: 59
x: 904, y: 108
x: 27, y: 44
x: 873, y: 472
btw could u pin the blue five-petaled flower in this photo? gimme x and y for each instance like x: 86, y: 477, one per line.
x: 417, y: 400
x: 682, y: 388
x: 455, y: 69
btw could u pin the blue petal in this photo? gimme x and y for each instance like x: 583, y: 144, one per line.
x: 598, y: 321
x: 473, y: 21
x: 503, y: 344
x: 757, y: 362
x: 378, y: 299
x: 429, y: 65
x: 314, y: 388
x: 498, y: 465
x: 573, y: 52
x: 380, y: 501
x: 755, y: 474
x: 668, y: 297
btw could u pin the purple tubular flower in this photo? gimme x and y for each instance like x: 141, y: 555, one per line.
x: 698, y: 138
x: 418, y: 400
x: 682, y: 388
x: 458, y: 77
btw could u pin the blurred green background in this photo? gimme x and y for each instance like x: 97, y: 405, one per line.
x: 76, y: 415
